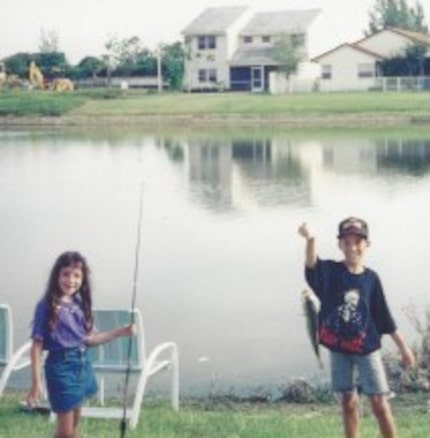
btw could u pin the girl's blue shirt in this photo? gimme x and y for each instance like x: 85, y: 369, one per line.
x: 70, y: 330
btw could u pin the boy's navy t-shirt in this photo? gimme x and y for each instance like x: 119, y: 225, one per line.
x: 354, y: 313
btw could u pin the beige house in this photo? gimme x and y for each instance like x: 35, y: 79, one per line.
x: 356, y: 66
x: 233, y: 47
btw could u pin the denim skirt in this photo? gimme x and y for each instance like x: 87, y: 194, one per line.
x: 69, y: 379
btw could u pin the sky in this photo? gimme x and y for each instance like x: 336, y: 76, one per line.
x: 84, y: 26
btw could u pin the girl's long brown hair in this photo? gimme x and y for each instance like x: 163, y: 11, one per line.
x: 53, y: 292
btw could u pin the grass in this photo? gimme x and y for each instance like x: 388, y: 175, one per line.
x: 262, y: 104
x: 36, y: 103
x: 209, y: 419
x: 114, y: 102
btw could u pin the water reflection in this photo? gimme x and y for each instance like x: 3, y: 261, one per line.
x: 222, y: 262
x: 409, y: 156
x: 235, y: 173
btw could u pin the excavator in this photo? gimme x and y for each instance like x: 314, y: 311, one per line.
x: 37, y: 80
x: 35, y: 76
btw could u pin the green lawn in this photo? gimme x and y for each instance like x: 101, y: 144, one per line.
x: 116, y: 103
x: 226, y: 420
x: 262, y: 104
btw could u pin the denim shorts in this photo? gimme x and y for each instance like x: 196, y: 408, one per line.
x: 348, y: 371
x: 69, y: 379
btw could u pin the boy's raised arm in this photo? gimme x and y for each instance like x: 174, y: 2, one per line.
x: 310, y: 249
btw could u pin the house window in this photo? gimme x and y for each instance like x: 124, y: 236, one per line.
x: 265, y: 39
x: 206, y: 42
x: 326, y: 72
x: 298, y: 39
x: 247, y: 39
x: 366, y: 71
x: 208, y: 75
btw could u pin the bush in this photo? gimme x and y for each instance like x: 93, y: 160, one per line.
x: 416, y: 379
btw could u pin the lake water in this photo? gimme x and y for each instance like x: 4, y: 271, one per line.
x: 221, y: 261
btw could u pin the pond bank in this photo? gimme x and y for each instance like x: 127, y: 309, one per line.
x: 213, y: 120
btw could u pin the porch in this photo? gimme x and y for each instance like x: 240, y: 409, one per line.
x: 250, y: 69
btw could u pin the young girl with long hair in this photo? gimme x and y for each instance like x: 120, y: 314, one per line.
x: 63, y: 325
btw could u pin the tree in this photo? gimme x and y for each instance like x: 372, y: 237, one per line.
x: 52, y: 64
x: 18, y: 63
x: 288, y: 52
x: 89, y: 67
x: 48, y: 41
x: 396, y: 13
x: 412, y: 63
x: 123, y: 53
x: 173, y: 64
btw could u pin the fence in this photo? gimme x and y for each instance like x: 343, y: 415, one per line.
x: 409, y: 83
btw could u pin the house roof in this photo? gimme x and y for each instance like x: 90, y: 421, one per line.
x: 417, y: 36
x: 214, y: 21
x: 278, y: 22
x: 253, y: 56
x: 413, y: 36
x: 347, y: 45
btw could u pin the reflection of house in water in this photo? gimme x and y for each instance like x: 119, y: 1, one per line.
x: 349, y: 155
x: 409, y: 156
x: 210, y: 172
x: 374, y: 156
x: 244, y: 173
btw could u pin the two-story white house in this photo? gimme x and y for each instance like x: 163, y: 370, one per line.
x: 233, y: 47
x: 356, y: 66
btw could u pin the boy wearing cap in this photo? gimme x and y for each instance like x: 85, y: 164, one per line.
x: 353, y: 317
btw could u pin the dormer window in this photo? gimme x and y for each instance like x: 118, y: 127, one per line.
x: 248, y: 39
x: 205, y: 42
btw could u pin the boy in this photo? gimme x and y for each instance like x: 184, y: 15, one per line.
x: 353, y: 317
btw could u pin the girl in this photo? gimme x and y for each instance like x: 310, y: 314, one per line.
x: 63, y: 325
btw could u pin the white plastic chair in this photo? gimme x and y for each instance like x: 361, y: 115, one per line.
x: 10, y: 360
x: 112, y: 357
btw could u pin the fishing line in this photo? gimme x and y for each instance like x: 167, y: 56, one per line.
x: 123, y: 424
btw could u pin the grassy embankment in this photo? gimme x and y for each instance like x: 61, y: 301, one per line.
x: 117, y: 104
x: 226, y: 420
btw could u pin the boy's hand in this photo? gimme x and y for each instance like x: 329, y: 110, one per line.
x: 304, y: 231
x: 408, y: 357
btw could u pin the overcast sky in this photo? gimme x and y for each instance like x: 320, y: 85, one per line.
x: 84, y: 26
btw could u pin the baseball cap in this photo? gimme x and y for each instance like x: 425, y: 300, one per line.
x: 353, y: 226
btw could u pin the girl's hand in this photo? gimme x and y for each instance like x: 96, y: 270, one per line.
x: 129, y: 330
x: 304, y: 231
x: 34, y: 395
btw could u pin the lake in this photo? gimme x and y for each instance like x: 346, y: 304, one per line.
x: 221, y: 263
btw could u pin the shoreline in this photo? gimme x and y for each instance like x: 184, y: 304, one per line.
x: 214, y: 120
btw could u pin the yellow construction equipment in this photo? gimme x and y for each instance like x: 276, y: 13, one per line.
x: 62, y: 84
x: 35, y: 76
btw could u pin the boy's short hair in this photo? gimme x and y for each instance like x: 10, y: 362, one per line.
x: 353, y: 226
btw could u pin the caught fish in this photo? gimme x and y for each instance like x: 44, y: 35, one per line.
x: 311, y: 307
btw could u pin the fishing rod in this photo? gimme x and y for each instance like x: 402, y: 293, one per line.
x: 123, y: 424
